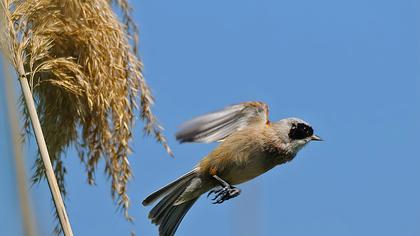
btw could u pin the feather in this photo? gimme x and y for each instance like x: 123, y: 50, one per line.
x: 166, y: 213
x: 159, y: 193
x: 216, y: 126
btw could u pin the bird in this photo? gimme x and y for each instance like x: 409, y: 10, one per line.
x: 250, y: 145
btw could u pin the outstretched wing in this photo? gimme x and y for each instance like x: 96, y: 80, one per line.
x: 216, y: 126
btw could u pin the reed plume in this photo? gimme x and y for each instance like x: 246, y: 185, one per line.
x: 86, y: 79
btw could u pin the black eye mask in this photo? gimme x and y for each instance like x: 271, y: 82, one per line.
x: 300, y: 131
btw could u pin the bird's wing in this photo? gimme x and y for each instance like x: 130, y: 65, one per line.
x: 216, y: 126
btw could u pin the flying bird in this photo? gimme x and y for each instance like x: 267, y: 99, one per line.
x: 250, y: 145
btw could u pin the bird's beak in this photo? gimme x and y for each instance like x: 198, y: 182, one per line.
x: 316, y: 138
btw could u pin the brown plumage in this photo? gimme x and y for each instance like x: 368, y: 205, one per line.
x: 250, y: 146
x: 239, y: 150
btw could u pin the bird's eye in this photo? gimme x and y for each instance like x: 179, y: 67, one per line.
x: 300, y: 131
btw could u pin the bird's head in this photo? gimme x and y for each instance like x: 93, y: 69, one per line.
x: 295, y: 132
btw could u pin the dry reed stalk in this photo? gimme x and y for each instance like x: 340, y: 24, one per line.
x: 29, y: 225
x: 46, y: 161
x: 18, y: 61
x: 86, y: 80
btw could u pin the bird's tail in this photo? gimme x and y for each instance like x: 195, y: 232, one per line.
x: 166, y: 214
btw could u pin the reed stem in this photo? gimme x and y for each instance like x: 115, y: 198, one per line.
x: 29, y: 225
x: 52, y: 181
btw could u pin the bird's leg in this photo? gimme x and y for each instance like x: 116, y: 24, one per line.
x: 225, y: 193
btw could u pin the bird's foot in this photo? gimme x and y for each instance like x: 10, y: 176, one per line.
x: 223, y: 194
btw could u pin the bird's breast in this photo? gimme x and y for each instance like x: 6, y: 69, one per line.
x: 244, y: 156
x: 254, y: 166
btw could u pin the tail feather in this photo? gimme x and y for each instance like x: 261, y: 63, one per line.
x: 166, y: 214
x: 165, y: 204
x: 173, y: 218
x: 161, y: 192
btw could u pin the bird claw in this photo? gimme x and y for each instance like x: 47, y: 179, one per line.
x: 224, y: 194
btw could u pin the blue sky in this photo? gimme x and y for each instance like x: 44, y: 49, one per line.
x: 350, y: 68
